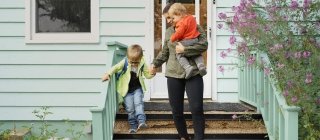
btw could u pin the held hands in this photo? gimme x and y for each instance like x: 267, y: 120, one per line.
x: 152, y: 69
x: 179, y: 48
x: 105, y: 77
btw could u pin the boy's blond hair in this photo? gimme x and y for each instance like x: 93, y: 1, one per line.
x: 177, y: 9
x: 134, y: 52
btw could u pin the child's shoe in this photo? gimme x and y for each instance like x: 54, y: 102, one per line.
x: 189, y: 70
x: 202, y: 69
x: 142, y: 126
x: 132, y: 131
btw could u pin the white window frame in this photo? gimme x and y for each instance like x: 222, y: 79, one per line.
x: 32, y: 37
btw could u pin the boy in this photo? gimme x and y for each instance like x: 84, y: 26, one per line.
x: 130, y: 86
x: 186, y: 33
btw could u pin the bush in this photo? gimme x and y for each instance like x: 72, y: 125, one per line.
x: 288, y: 31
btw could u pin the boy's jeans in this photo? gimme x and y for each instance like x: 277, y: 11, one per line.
x: 135, y: 108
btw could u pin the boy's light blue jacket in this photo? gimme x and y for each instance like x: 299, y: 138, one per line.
x: 124, y: 79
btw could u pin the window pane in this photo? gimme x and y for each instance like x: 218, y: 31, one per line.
x: 63, y: 16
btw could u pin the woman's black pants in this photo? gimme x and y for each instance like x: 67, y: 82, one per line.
x: 194, y: 89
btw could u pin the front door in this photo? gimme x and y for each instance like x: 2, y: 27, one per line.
x: 198, y: 8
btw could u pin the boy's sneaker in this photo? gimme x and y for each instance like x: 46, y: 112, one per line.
x: 142, y: 126
x: 132, y: 131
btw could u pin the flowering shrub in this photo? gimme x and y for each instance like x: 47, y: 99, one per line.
x: 288, y: 31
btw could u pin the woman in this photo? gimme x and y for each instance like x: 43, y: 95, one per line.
x: 177, y: 84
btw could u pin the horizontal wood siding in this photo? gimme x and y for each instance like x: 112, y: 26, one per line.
x: 65, y: 77
x: 227, y: 82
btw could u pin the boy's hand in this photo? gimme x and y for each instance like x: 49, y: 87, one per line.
x: 105, y: 77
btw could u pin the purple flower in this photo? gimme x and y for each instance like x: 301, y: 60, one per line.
x: 222, y: 16
x: 234, y: 116
x: 294, y: 5
x: 285, y: 93
x: 243, y: 48
x: 251, y: 60
x: 229, y: 50
x: 266, y: 71
x: 308, y: 78
x: 294, y: 99
x: 289, y: 84
x: 235, y: 19
x: 221, y: 69
x: 267, y: 28
x: 280, y: 66
x: 232, y: 40
x: 219, y: 26
x: 297, y: 55
x: 306, y: 54
x: 306, y: 4
x: 223, y: 54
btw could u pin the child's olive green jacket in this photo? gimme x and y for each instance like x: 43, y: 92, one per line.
x: 124, y: 79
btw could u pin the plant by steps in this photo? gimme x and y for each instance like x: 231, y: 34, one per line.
x: 4, y: 134
x: 289, y: 33
x: 246, y: 117
x: 47, y: 132
x: 76, y: 135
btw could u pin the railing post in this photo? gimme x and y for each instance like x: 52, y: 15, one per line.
x: 291, y: 125
x: 97, y: 124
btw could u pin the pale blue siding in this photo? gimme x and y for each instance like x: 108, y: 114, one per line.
x: 65, y: 77
x: 227, y: 83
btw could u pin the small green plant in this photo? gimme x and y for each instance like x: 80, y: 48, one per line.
x: 246, y: 117
x: 76, y: 135
x: 45, y: 131
x: 4, y: 134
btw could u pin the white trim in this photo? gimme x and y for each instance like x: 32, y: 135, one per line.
x: 164, y: 28
x: 149, y: 42
x: 197, y: 10
x: 213, y: 20
x: 32, y: 37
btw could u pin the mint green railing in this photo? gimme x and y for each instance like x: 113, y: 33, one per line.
x: 103, y: 116
x: 259, y: 90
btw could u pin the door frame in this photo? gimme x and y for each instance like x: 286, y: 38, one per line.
x: 210, y: 80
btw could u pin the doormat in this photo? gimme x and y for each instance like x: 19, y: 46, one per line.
x: 207, y: 106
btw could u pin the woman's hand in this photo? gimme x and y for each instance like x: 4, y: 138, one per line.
x: 105, y: 77
x: 179, y: 48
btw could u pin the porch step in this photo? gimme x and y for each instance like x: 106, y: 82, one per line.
x: 219, y: 122
x: 208, y: 105
x: 209, y: 115
x: 214, y: 130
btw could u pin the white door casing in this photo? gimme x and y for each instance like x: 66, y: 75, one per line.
x: 158, y: 84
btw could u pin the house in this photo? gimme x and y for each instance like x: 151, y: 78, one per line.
x: 54, y: 55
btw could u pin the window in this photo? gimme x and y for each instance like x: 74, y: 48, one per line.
x: 62, y: 21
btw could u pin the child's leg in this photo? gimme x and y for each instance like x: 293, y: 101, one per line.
x: 200, y: 64
x: 183, y: 60
x: 130, y: 108
x: 188, y: 42
x: 185, y: 64
x: 139, y: 106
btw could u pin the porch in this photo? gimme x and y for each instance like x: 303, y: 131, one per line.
x: 256, y: 89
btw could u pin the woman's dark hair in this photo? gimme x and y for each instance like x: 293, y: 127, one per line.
x: 166, y: 9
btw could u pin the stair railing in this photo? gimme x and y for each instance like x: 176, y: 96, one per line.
x: 103, y: 116
x: 260, y: 90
